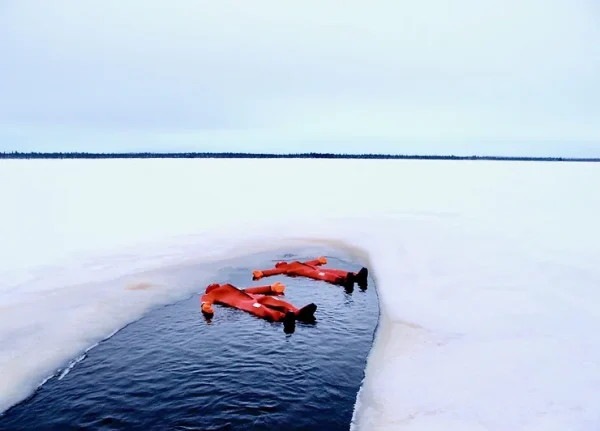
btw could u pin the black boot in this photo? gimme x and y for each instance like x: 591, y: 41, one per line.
x: 348, y: 283
x: 361, y: 278
x: 289, y: 322
x: 307, y: 313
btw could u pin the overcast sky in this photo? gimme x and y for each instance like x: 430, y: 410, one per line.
x: 425, y: 76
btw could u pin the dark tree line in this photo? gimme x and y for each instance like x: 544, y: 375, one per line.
x: 235, y: 155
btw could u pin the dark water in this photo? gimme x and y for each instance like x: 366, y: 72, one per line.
x: 173, y: 369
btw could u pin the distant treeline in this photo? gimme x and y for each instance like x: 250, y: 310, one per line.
x: 81, y: 155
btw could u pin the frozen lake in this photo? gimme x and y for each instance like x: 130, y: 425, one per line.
x: 486, y: 272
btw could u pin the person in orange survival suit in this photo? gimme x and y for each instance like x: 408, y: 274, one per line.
x: 311, y: 269
x: 260, y: 301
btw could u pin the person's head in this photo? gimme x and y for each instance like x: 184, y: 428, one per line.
x: 207, y: 308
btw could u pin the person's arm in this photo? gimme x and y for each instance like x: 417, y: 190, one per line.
x: 258, y: 274
x: 276, y: 288
x: 317, y: 262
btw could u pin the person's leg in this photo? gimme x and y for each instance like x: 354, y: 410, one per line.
x: 348, y: 278
x: 305, y: 313
x: 337, y: 272
x: 275, y: 303
x: 314, y: 273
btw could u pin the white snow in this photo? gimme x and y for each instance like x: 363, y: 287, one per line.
x: 487, y: 271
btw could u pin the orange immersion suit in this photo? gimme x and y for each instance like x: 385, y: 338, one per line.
x: 260, y: 301
x: 312, y: 269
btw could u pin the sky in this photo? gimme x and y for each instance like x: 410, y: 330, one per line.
x: 496, y: 77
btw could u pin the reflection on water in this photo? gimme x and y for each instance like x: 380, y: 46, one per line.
x: 176, y: 369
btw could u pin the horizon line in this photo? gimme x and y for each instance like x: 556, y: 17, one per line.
x: 251, y: 155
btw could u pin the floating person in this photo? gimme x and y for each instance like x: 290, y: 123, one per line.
x: 260, y: 301
x: 312, y: 269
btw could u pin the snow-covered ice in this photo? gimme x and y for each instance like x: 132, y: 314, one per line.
x: 487, y: 272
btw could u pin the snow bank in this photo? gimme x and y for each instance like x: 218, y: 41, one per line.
x: 486, y: 271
